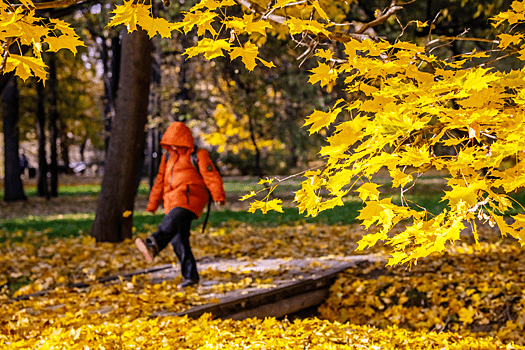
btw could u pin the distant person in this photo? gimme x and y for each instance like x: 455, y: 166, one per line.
x: 185, y: 182
x: 24, y: 163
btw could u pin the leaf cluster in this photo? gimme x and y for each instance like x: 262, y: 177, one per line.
x: 465, y: 290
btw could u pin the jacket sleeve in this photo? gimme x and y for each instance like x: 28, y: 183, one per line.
x: 210, y: 175
x: 157, y: 192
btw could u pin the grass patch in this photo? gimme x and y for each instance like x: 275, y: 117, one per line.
x: 77, y: 190
x: 70, y: 225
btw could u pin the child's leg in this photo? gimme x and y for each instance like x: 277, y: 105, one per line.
x: 171, y: 226
x: 181, y: 246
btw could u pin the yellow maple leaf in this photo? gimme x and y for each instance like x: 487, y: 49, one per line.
x: 331, y: 203
x: 508, y: 39
x: 475, y: 79
x: 249, y: 195
x: 212, y: 4
x: 64, y: 27
x: 326, y: 54
x: 324, y: 74
x: 125, y: 14
x: 339, y: 180
x: 347, y: 133
x: 265, y: 181
x: 297, y: 26
x: 520, y: 97
x: 259, y: 26
x: 416, y: 156
x: 209, y: 47
x: 320, y: 119
x: 30, y: 32
x: 370, y: 240
x: 461, y: 193
x: 378, y: 211
x: 274, y: 204
x: 202, y: 20
x: 25, y: 67
x: 369, y: 190
x: 64, y: 42
x: 319, y: 10
x: 248, y: 54
x: 400, y: 178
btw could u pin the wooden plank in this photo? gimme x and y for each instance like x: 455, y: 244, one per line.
x: 286, y: 306
x: 307, y: 293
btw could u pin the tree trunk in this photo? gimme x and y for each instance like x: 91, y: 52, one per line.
x: 111, y: 79
x: 116, y: 200
x: 13, y: 187
x: 64, y: 146
x: 43, y: 190
x: 53, y: 129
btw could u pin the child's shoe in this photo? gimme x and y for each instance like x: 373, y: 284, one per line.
x: 187, y: 283
x: 148, y: 248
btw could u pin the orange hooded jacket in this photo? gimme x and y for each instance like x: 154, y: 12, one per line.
x: 178, y: 183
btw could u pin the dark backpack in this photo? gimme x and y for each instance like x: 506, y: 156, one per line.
x: 195, y: 162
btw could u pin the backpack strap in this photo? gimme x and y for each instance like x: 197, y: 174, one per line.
x: 195, y: 162
x: 195, y: 159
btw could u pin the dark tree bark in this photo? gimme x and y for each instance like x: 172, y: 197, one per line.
x: 126, y: 142
x: 111, y: 75
x: 42, y: 189
x: 53, y: 129
x: 153, y: 145
x: 64, y: 146
x: 13, y: 187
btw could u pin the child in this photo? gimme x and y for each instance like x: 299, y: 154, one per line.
x: 185, y: 190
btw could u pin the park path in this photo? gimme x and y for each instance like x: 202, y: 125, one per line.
x: 293, y: 285
x: 301, y: 284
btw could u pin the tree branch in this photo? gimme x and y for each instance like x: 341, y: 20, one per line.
x: 385, y: 15
x: 335, y: 36
x: 261, y: 11
x: 51, y: 4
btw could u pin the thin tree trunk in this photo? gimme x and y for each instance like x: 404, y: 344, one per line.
x: 258, y: 167
x: 53, y: 129
x: 64, y: 146
x: 114, y: 219
x: 43, y: 189
x: 13, y: 187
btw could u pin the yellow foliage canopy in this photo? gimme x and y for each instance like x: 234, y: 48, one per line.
x: 410, y: 104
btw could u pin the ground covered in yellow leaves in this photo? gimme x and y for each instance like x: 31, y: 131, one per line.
x: 442, y: 303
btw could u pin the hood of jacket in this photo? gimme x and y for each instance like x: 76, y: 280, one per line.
x: 178, y: 134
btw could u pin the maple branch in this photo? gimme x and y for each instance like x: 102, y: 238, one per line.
x: 335, y: 36
x: 261, y: 11
x: 49, y: 4
x: 454, y: 38
x: 382, y: 18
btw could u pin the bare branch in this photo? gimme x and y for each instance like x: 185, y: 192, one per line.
x: 51, y: 4
x: 336, y: 36
x: 259, y: 10
x: 381, y: 19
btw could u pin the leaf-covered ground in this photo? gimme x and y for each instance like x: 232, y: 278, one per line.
x: 466, y: 299
x: 440, y: 303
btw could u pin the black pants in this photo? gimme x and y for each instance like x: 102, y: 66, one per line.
x: 175, y: 229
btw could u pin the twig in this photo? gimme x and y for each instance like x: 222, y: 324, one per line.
x: 5, y: 47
